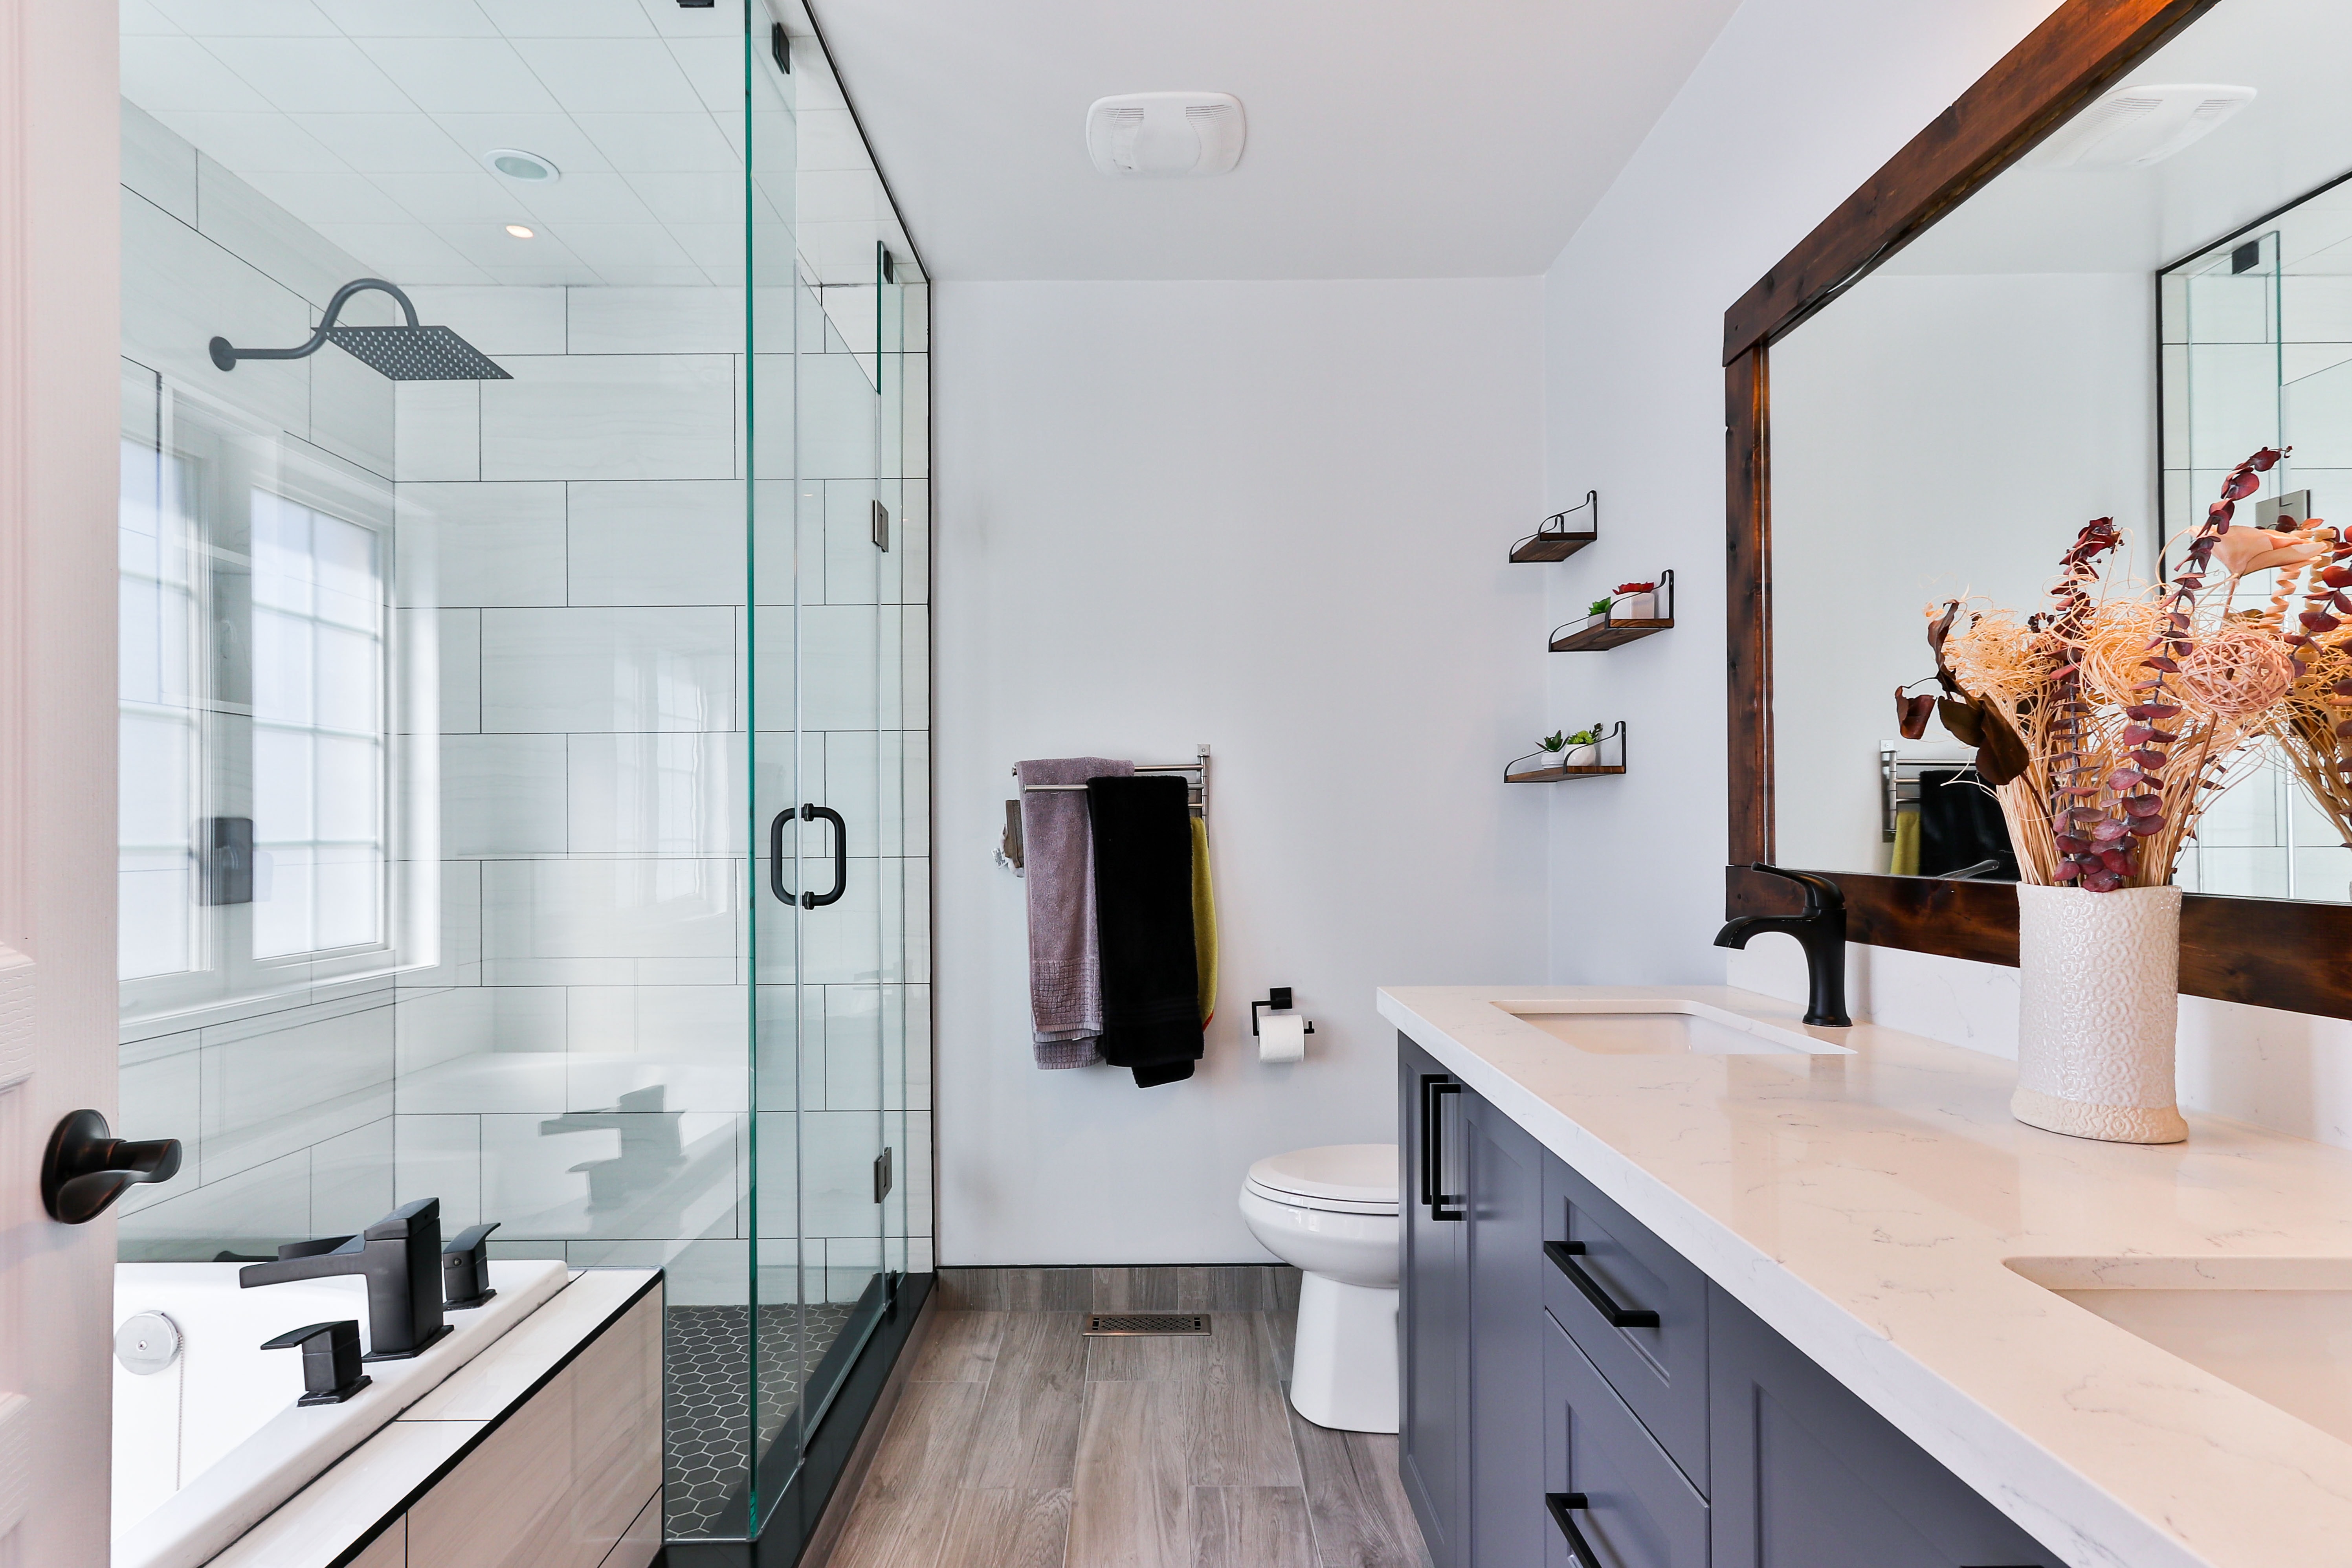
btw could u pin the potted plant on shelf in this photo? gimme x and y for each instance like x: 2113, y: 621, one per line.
x: 1635, y: 602
x: 1582, y: 750
x: 2104, y: 725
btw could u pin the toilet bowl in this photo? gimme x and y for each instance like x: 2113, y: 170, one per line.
x: 1331, y: 1212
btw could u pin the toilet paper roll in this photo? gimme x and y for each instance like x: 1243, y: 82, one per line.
x: 1281, y: 1037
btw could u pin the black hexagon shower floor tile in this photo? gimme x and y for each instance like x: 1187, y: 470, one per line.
x: 708, y: 1416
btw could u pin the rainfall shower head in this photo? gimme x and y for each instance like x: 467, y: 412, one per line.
x: 403, y: 353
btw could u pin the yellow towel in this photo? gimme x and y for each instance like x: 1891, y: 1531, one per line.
x: 1903, y: 856
x: 1204, y: 922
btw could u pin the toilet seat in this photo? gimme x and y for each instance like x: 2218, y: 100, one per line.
x: 1338, y: 1178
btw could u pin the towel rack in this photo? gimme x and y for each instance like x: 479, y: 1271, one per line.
x: 1198, y: 797
x: 1899, y: 782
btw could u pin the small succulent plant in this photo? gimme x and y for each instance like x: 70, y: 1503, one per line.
x: 1557, y: 742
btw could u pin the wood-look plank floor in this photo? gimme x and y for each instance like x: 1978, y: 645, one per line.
x: 1020, y: 1443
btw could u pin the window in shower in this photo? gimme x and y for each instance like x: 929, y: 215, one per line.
x: 319, y: 733
x: 161, y: 722
x: 255, y: 701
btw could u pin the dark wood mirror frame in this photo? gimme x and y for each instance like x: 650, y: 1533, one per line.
x: 2270, y: 953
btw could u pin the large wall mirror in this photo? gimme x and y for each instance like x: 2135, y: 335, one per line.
x: 2119, y: 266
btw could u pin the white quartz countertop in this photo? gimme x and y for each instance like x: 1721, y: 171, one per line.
x: 1867, y: 1206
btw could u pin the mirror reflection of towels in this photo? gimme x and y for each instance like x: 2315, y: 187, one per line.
x: 1960, y: 824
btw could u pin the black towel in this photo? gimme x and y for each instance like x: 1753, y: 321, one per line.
x: 1960, y: 825
x: 1143, y: 914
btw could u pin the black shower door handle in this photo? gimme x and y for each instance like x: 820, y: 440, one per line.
x: 776, y: 856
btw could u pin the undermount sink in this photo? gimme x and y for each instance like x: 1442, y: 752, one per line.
x: 1616, y: 1027
x: 2281, y: 1329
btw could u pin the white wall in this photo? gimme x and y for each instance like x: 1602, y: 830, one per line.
x: 1273, y: 517
x: 1798, y: 102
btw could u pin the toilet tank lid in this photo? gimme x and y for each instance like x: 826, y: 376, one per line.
x: 1360, y: 1173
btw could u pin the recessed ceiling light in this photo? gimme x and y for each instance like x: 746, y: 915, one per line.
x: 516, y: 164
x: 519, y: 231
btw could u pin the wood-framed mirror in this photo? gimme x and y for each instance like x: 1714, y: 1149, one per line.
x: 2058, y: 301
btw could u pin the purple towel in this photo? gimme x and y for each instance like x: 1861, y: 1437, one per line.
x: 1065, y: 958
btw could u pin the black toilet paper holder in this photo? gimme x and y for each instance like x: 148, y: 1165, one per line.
x: 1277, y: 998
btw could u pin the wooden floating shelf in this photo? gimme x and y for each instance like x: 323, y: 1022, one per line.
x: 1550, y: 546
x: 1561, y: 775
x: 1604, y: 629
x: 1555, y: 541
x: 1602, y: 635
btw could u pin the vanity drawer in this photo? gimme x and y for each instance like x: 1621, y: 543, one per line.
x: 1607, y: 1480
x: 1603, y: 1265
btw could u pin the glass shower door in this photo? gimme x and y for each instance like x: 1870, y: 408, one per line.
x: 818, y: 921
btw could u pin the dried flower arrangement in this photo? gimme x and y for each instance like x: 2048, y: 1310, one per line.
x: 2105, y: 724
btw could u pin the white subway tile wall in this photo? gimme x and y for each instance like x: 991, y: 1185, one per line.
x: 575, y: 1061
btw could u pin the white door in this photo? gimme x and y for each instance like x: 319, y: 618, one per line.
x: 59, y: 331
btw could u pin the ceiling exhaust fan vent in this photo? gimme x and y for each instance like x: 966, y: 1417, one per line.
x: 2134, y: 127
x: 1165, y: 134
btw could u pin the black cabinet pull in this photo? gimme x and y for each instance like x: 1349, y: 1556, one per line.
x: 1560, y: 1503
x: 1563, y: 1255
x: 776, y: 856
x: 1441, y: 1205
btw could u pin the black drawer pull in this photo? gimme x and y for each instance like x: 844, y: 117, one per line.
x: 1560, y: 1503
x: 1441, y: 1205
x: 1563, y: 1255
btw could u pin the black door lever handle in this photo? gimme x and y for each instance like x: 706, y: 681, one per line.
x: 87, y: 1167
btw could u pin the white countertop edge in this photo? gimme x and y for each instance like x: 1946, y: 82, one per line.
x: 2036, y: 1489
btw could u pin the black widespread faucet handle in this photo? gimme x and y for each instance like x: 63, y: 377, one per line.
x: 331, y: 1359
x: 466, y: 1267
x: 1821, y: 895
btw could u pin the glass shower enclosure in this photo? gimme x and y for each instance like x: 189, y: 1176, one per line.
x: 525, y: 772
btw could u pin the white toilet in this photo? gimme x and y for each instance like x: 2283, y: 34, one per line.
x: 1332, y: 1214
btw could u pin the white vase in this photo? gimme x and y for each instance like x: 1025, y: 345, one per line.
x: 1587, y: 756
x: 2097, y: 1008
x: 1635, y: 608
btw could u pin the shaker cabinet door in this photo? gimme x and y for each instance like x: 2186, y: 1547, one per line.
x: 1433, y: 1319
x: 1807, y: 1476
x: 1508, y: 1326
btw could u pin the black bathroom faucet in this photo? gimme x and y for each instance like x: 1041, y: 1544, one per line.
x: 400, y: 1258
x: 1822, y: 931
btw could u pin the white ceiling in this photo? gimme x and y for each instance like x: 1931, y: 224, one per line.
x: 2295, y: 136
x: 367, y: 120
x: 1387, y: 138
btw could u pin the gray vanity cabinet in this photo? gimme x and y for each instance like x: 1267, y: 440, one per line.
x: 1807, y: 1476
x: 1566, y: 1376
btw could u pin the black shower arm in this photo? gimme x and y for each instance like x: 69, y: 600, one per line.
x: 225, y: 356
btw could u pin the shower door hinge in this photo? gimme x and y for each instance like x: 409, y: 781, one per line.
x: 882, y: 1175
x: 778, y: 47
x: 881, y: 526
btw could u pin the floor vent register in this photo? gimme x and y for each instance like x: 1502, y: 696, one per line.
x: 1109, y: 1323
